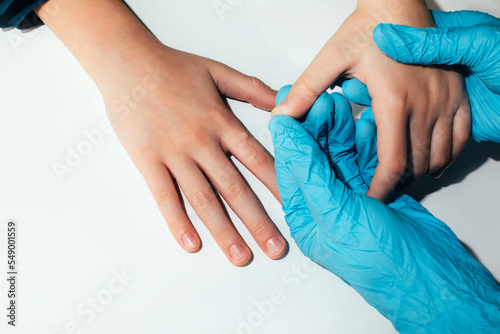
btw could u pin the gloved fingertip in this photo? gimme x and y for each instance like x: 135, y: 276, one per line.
x: 325, y: 99
x: 364, y: 131
x: 367, y: 115
x: 324, y: 103
x: 340, y: 102
x: 357, y: 92
x: 385, y: 37
x: 282, y: 93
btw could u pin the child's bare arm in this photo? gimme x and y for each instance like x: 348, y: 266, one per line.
x: 166, y: 109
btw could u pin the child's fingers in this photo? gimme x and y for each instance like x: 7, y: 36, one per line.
x: 244, y: 147
x: 239, y: 86
x: 461, y: 129
x: 242, y: 200
x: 209, y: 208
x: 326, y: 67
x: 441, y: 145
x: 420, y: 148
x: 169, y: 201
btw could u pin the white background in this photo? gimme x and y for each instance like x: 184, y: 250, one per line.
x: 101, y: 219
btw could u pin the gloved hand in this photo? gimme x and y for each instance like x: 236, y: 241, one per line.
x: 466, y: 38
x: 406, y: 263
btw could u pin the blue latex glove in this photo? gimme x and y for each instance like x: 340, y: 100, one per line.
x: 466, y: 38
x: 406, y: 263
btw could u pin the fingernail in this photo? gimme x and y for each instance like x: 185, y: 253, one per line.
x: 274, y: 246
x: 238, y: 252
x: 189, y: 241
x: 281, y: 109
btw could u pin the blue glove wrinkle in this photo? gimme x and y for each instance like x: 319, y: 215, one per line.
x: 311, y: 170
x: 297, y: 214
x: 319, y: 121
x: 464, y: 18
x: 398, y: 42
x: 282, y: 93
x: 406, y: 263
x: 466, y: 38
x: 357, y: 92
x: 342, y: 146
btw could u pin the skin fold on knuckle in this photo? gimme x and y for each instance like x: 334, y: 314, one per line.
x: 178, y: 225
x: 420, y: 169
x: 235, y: 191
x: 439, y: 160
x: 260, y: 229
x: 259, y: 158
x: 146, y: 154
x: 304, y: 87
x: 165, y: 196
x: 461, y: 132
x: 261, y: 161
x: 201, y: 200
x: 257, y: 87
x: 225, y: 237
x: 394, y: 168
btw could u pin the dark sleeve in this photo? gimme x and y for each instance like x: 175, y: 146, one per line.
x: 19, y: 14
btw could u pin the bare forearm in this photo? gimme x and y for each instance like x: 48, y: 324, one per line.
x: 102, y: 34
x: 408, y: 12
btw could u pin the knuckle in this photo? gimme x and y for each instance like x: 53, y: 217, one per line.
x: 260, y: 228
x: 194, y: 140
x: 261, y: 160
x: 305, y: 87
x: 396, y: 100
x: 459, y: 142
x: 460, y: 138
x: 420, y: 170
x: 165, y: 195
x: 244, y: 137
x: 220, y: 116
x: 440, y: 160
x: 177, y: 223
x: 225, y: 237
x: 201, y: 200
x: 235, y: 190
x: 257, y: 84
x: 148, y: 153
x: 396, y: 167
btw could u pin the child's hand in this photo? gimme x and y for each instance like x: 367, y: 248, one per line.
x: 422, y: 114
x: 181, y: 135
x: 467, y: 38
x: 166, y: 108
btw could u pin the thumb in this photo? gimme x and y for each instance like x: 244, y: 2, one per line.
x: 469, y: 46
x: 323, y: 71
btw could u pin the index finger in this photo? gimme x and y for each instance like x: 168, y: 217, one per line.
x: 326, y: 67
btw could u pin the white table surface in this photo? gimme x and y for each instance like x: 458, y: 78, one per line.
x: 78, y: 234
